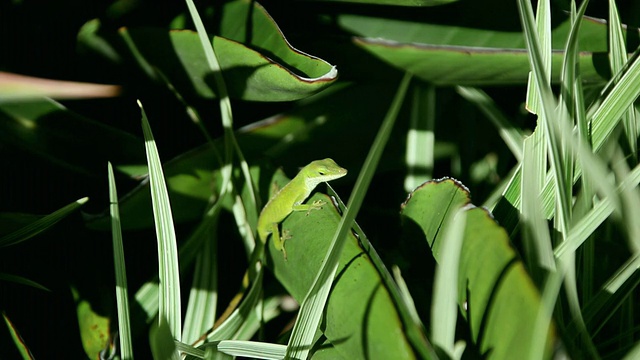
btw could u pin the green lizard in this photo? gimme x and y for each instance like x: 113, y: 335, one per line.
x: 290, y: 199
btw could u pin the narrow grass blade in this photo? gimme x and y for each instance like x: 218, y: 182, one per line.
x: 403, y: 289
x: 543, y: 29
x: 189, y: 352
x: 633, y: 353
x: 595, y: 217
x: 203, y: 297
x: 252, y: 349
x: 17, y: 339
x: 21, y: 280
x: 313, y: 305
x: 568, y: 95
x: 549, y: 118
x: 617, y: 61
x: 604, y: 305
x: 122, y: 294
x: 169, y: 296
x: 41, y: 224
x: 230, y: 327
x: 444, y: 310
x: 623, y: 274
x: 231, y: 146
x: 148, y: 299
x: 629, y: 202
x: 544, y: 318
x: 536, y: 232
x: 572, y: 100
x: 421, y: 137
x: 511, y: 135
x: 607, y: 116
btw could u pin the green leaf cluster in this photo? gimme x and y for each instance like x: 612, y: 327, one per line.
x: 428, y: 104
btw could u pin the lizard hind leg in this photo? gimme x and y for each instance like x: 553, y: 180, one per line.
x: 278, y: 240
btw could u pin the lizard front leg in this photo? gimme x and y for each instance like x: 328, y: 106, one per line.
x: 316, y: 205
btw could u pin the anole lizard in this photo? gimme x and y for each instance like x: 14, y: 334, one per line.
x: 290, y: 199
x: 283, y: 203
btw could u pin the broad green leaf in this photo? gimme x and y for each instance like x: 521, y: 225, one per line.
x: 470, y: 66
x: 248, y: 23
x: 49, y: 130
x: 161, y: 340
x: 495, y: 294
x: 267, y: 68
x: 592, y: 36
x: 361, y: 318
x: 95, y: 331
x: 450, y: 55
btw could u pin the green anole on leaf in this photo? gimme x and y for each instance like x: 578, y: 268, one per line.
x: 291, y: 197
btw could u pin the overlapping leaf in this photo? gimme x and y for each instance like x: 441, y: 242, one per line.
x: 454, y: 55
x: 495, y: 294
x: 259, y: 65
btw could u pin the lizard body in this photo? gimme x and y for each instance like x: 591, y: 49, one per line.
x: 291, y: 197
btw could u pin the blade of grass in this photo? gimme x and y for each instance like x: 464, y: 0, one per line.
x: 629, y: 201
x: 421, y: 138
x: 549, y: 118
x: 403, y: 289
x: 21, y: 280
x: 617, y: 60
x: 313, y: 305
x: 536, y: 233
x: 573, y: 107
x: 607, y: 116
x: 444, y: 310
x: 511, y: 135
x: 17, y: 339
x: 203, y: 296
x: 595, y: 217
x: 550, y: 293
x: 603, y: 116
x: 231, y: 144
x: 252, y: 349
x: 554, y: 134
x: 230, y: 327
x: 543, y: 29
x: 633, y: 353
x: 41, y: 224
x: 169, y: 296
x: 122, y: 295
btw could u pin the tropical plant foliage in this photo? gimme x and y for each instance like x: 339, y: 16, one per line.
x: 492, y: 187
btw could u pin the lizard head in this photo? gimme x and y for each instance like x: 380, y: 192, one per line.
x: 323, y: 170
